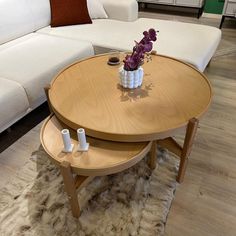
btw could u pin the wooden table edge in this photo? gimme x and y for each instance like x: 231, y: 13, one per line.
x: 129, y: 137
x: 112, y: 169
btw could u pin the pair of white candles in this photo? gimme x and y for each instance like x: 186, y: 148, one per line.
x: 68, y: 146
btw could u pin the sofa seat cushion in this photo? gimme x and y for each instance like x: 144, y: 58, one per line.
x: 191, y: 43
x: 13, y: 103
x: 33, y: 61
x: 106, y: 33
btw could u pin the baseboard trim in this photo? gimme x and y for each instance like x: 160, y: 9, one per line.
x: 211, y: 15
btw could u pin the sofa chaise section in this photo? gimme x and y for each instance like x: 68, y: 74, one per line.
x: 192, y: 43
x: 13, y: 103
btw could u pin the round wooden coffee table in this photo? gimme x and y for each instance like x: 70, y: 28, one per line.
x: 87, y: 94
x: 123, y: 124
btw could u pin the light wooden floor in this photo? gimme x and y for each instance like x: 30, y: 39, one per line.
x: 205, y: 204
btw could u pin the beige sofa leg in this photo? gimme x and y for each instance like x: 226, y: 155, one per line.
x: 209, y: 63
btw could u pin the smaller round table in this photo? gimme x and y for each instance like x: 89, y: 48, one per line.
x: 103, y: 158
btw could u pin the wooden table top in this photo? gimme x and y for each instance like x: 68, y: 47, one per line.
x: 87, y: 94
x: 102, y: 158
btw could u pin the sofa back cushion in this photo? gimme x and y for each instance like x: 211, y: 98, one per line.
x: 96, y: 9
x: 41, y: 13
x: 20, y: 17
x: 15, y: 19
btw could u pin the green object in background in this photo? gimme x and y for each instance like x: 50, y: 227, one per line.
x: 214, y: 6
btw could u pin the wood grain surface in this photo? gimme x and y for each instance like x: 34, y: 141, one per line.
x: 87, y: 94
x: 102, y: 158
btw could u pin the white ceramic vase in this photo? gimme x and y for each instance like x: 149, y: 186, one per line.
x: 131, y: 79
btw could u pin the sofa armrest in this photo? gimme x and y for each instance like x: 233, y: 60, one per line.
x: 124, y: 10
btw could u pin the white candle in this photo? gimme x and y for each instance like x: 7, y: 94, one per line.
x: 83, y: 145
x: 66, y: 140
x: 81, y: 138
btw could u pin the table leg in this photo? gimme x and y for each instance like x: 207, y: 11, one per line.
x: 182, y: 152
x: 188, y: 143
x: 70, y: 187
x: 46, y: 90
x: 153, y: 156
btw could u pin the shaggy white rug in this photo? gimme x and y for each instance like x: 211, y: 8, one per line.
x: 133, y: 202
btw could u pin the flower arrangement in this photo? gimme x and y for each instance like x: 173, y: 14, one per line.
x: 135, y: 60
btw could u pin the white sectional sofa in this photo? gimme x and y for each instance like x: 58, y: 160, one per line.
x: 32, y: 53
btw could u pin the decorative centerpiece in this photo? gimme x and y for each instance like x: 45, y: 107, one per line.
x: 131, y: 73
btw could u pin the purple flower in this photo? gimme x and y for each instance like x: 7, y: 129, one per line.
x: 152, y: 34
x: 133, y: 61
